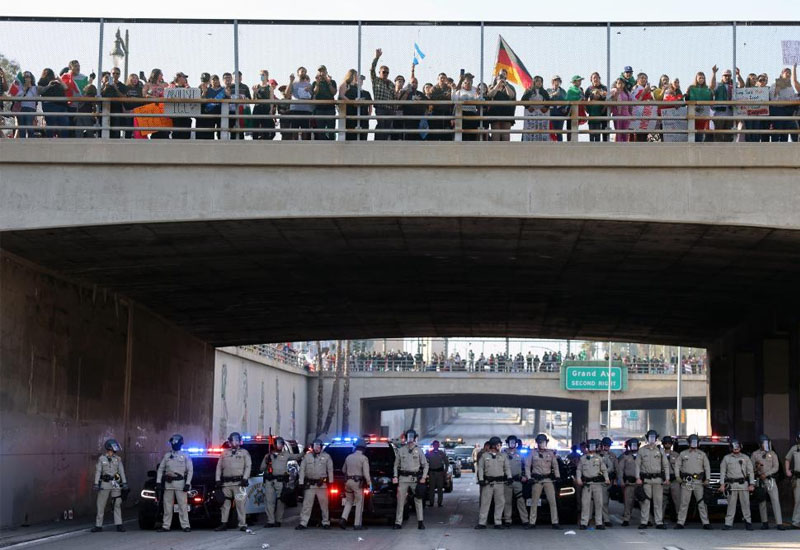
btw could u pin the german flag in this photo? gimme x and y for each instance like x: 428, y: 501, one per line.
x: 508, y: 60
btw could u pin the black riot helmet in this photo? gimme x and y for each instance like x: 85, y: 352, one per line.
x: 512, y: 439
x: 593, y: 445
x: 667, y: 440
x: 235, y: 439
x: 735, y: 445
x: 112, y: 445
x: 541, y: 440
x: 694, y: 441
x: 651, y: 434
x: 176, y: 442
x: 632, y: 444
x: 411, y: 435
x: 607, y: 441
x: 765, y: 442
x: 495, y: 441
x: 279, y: 443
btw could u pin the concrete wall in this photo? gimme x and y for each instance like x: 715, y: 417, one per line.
x: 79, y: 365
x: 253, y: 394
x: 54, y: 183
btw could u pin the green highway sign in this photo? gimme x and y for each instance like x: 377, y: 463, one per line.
x: 593, y: 376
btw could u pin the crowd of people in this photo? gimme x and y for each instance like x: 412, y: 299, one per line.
x: 40, y: 113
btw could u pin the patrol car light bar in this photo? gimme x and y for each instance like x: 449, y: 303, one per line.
x: 195, y: 450
x: 345, y: 439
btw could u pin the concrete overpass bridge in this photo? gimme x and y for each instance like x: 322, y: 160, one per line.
x: 373, y: 392
x: 124, y: 264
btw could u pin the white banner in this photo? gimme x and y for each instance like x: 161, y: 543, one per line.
x: 643, y: 111
x: 182, y: 108
x: 538, y: 121
x: 791, y: 51
x: 674, y: 124
x: 752, y: 94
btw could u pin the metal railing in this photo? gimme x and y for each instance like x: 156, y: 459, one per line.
x: 277, y: 353
x: 689, y: 121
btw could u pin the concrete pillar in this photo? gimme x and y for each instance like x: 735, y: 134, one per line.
x: 594, y: 404
x: 659, y: 422
x: 537, y: 421
x: 580, y: 422
x: 776, y: 414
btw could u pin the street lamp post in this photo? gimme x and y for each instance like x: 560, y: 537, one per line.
x: 120, y: 52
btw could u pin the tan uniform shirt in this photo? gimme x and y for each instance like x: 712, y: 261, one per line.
x: 175, y: 463
x: 651, y: 460
x: 626, y: 466
x: 109, y: 466
x: 316, y: 467
x: 765, y: 462
x: 516, y: 463
x: 277, y: 463
x: 493, y: 465
x: 692, y: 462
x: 357, y: 464
x: 735, y: 467
x: 611, y: 463
x: 542, y: 463
x: 793, y: 456
x: 591, y: 466
x: 410, y: 459
x: 233, y: 463
x: 672, y: 459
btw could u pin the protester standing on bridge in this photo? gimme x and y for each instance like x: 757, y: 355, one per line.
x: 542, y: 469
x: 493, y: 472
x: 232, y: 476
x: 652, y: 473
x: 410, y: 470
x: 174, y: 479
x: 275, y: 466
x: 792, y: 466
x: 437, y: 464
x: 316, y: 472
x: 611, y: 465
x: 765, y: 465
x: 590, y: 476
x: 513, y: 493
x: 736, y: 475
x: 674, y: 485
x: 626, y: 469
x: 356, y: 472
x: 382, y: 90
x: 694, y: 472
x: 110, y: 481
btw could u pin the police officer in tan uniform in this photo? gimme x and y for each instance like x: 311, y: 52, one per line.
x: 792, y: 465
x: 316, y: 471
x: 437, y: 466
x: 233, y: 477
x: 611, y: 465
x: 109, y: 481
x: 590, y: 477
x: 513, y: 492
x: 493, y: 472
x: 674, y: 490
x: 652, y: 472
x: 736, y: 475
x: 410, y: 468
x: 765, y: 465
x: 542, y: 470
x: 693, y: 470
x: 175, y: 479
x: 626, y: 469
x: 356, y: 474
x: 275, y: 466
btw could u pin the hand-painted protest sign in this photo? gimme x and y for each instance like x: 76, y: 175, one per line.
x: 791, y: 51
x: 752, y: 94
x: 182, y: 108
x: 667, y: 124
x: 643, y: 111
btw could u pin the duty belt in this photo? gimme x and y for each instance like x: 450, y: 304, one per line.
x: 693, y: 477
x: 629, y: 479
x: 652, y: 476
x: 106, y: 477
x: 276, y: 477
x: 174, y: 477
x: 516, y: 478
x: 596, y: 479
x: 317, y: 482
x: 735, y: 480
x: 356, y: 478
x: 408, y: 473
x: 230, y: 479
x: 491, y: 479
x: 436, y: 470
x: 540, y: 477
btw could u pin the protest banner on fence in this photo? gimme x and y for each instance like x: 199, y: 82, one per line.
x: 643, y: 111
x: 182, y: 108
x: 752, y: 94
x: 674, y: 124
x: 791, y: 51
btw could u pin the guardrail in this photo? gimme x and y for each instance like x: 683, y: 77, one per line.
x: 277, y: 353
x: 689, y: 121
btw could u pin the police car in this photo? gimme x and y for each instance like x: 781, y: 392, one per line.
x: 380, y: 500
x: 203, y: 508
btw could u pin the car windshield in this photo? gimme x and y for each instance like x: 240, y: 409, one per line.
x: 338, y: 454
x: 462, y: 451
x: 257, y: 453
x: 381, y: 460
x: 204, y: 469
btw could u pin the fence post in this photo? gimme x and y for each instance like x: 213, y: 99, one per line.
x: 690, y: 113
x: 573, y: 119
x: 341, y: 121
x: 458, y: 123
x: 105, y: 120
x: 224, y: 116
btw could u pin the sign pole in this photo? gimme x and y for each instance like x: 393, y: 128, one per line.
x: 680, y: 400
x: 608, y: 417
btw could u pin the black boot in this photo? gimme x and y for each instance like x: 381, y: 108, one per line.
x: 342, y: 524
x: 95, y: 529
x: 765, y: 526
x: 420, y: 525
x: 749, y: 526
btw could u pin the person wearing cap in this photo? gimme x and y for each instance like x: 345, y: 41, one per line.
x: 627, y: 77
x: 180, y: 81
x: 596, y: 93
x: 723, y: 92
x: 737, y: 476
x: 574, y: 93
x: 557, y: 93
x: 324, y: 89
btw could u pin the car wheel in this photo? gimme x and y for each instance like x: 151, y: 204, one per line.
x: 146, y: 523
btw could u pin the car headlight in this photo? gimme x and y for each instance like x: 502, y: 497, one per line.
x: 146, y: 493
x: 566, y: 491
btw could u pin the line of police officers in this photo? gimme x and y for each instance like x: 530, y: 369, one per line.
x: 502, y: 476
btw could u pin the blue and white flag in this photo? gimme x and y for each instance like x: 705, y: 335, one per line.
x: 418, y: 54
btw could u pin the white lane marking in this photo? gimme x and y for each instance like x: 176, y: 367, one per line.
x: 673, y: 548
